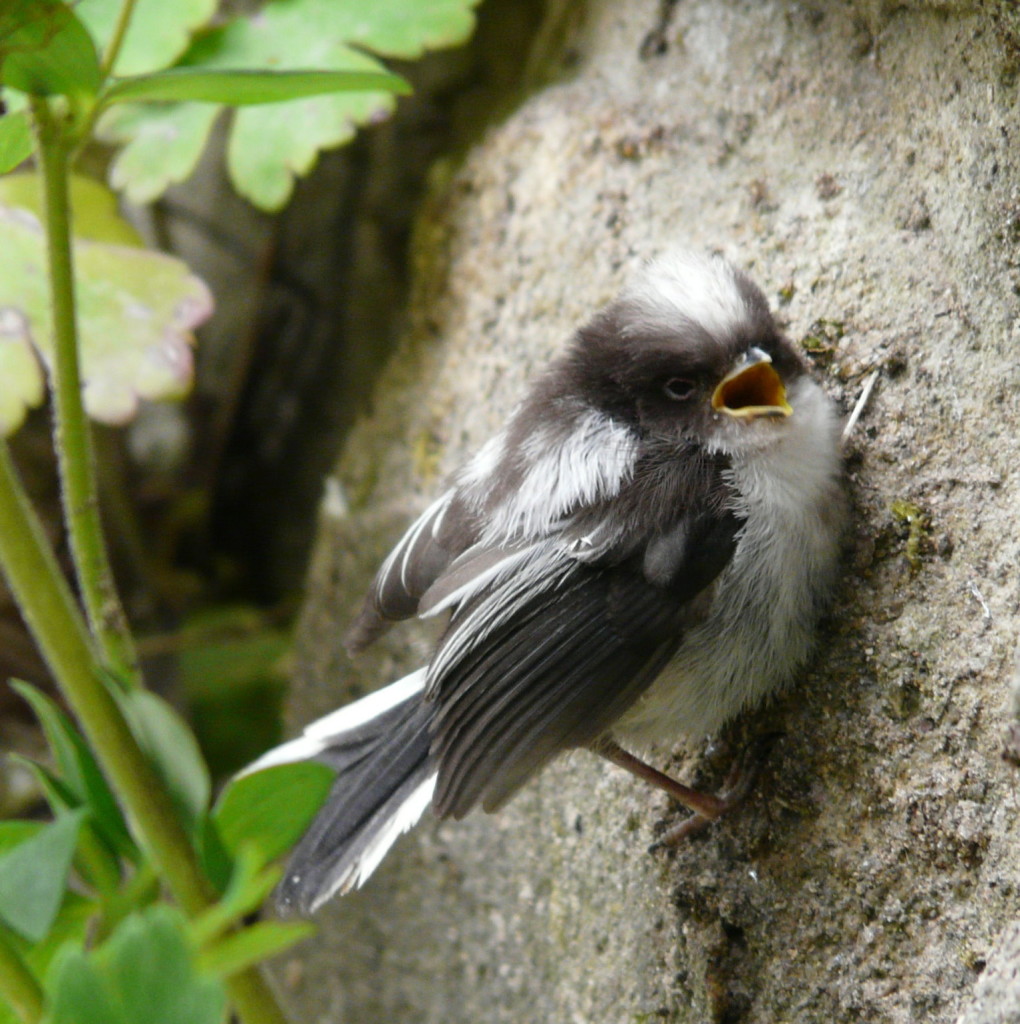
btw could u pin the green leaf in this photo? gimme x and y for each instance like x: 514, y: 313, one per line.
x: 78, y: 770
x: 250, y: 883
x: 97, y: 858
x: 45, y: 50
x: 23, y: 376
x: 33, y: 876
x: 97, y: 216
x: 68, y: 749
x: 95, y: 208
x: 12, y: 833
x: 159, y: 32
x: 15, y: 140
x: 253, y: 945
x: 216, y: 862
x: 136, y: 312
x: 171, y: 746
x: 71, y: 925
x: 230, y: 667
x: 143, y: 974
x: 58, y: 795
x: 244, y: 88
x: 272, y: 808
x: 161, y: 145
x: 269, y: 145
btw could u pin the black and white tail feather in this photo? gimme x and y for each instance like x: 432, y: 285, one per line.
x: 641, y: 552
x: 379, y: 748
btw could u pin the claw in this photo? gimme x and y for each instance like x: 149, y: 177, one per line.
x: 737, y: 787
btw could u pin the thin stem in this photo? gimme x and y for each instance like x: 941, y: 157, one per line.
x: 72, y: 438
x: 18, y: 985
x: 113, y: 48
x: 117, y: 39
x: 49, y: 610
x: 48, y: 607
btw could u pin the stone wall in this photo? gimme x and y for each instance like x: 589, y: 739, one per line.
x: 860, y: 160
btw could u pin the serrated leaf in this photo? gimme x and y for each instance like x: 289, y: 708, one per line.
x: 254, y: 944
x: 78, y: 770
x: 269, y: 146
x: 161, y: 145
x: 159, y: 32
x: 15, y: 140
x: 271, y: 809
x: 245, y: 88
x: 171, y: 746
x: 33, y: 876
x: 136, y: 312
x: 143, y: 974
x: 45, y: 50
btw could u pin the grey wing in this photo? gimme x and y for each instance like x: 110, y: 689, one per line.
x: 423, y: 555
x: 521, y: 488
x: 548, y: 656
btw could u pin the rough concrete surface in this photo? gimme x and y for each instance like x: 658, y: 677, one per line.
x: 860, y: 160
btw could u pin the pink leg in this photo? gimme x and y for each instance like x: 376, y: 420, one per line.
x: 707, y: 807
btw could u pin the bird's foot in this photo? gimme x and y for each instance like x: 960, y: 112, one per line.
x: 736, y: 788
x: 707, y: 807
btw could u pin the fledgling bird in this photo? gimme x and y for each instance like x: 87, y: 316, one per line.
x: 641, y: 552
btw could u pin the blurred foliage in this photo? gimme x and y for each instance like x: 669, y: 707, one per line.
x: 136, y: 308
x: 84, y: 875
x: 86, y: 932
x: 230, y: 665
x: 268, y: 146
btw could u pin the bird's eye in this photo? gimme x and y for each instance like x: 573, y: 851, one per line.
x: 678, y: 388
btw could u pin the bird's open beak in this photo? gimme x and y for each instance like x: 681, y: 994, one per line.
x: 752, y: 389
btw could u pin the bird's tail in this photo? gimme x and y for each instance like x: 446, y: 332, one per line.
x: 380, y: 748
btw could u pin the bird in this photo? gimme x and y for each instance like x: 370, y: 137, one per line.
x: 639, y: 554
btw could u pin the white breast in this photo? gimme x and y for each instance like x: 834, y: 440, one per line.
x: 767, y: 601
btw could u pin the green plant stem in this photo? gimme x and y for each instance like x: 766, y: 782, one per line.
x: 72, y: 438
x: 18, y: 985
x: 83, y: 133
x: 117, y: 39
x: 48, y: 607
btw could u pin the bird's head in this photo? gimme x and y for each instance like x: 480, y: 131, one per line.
x: 691, y: 350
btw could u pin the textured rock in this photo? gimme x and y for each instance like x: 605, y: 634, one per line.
x: 860, y: 160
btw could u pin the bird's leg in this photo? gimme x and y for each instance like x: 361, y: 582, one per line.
x: 707, y: 807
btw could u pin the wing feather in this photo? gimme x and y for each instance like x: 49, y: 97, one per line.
x: 553, y: 678
x: 520, y: 488
x: 572, y: 556
x: 545, y: 653
x: 417, y: 561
